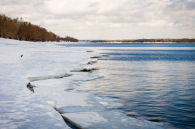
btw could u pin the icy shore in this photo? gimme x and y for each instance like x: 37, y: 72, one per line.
x: 43, y: 64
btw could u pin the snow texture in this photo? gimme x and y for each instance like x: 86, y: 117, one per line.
x: 21, y: 108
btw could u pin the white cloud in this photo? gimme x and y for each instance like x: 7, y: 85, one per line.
x: 108, y: 19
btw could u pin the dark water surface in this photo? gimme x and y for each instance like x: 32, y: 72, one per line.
x: 151, y: 80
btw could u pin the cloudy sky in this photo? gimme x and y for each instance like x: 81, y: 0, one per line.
x: 108, y: 19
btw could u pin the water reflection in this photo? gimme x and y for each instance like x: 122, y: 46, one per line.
x: 155, y: 89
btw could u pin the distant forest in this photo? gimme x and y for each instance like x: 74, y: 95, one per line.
x: 21, y: 30
x: 69, y: 39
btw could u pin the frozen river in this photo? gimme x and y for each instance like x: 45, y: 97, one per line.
x: 22, y: 108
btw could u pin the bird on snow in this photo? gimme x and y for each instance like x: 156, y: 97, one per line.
x: 30, y: 87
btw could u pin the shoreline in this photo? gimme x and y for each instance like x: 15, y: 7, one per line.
x: 83, y: 109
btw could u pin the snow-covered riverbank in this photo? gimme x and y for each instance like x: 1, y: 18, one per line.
x: 21, y: 108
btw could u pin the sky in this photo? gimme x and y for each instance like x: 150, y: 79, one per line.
x: 107, y: 19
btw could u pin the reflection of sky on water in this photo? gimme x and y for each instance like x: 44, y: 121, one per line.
x: 162, y: 89
x: 99, y: 49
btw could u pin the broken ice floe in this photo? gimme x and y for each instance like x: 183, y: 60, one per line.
x: 96, y: 116
x: 88, y: 119
x: 99, y: 56
x: 71, y: 109
x: 88, y: 62
x: 49, y: 77
x: 108, y: 120
x: 109, y: 103
x: 86, y: 68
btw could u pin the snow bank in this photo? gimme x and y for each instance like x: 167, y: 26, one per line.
x: 109, y: 103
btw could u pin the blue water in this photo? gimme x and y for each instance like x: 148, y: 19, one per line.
x: 151, y: 80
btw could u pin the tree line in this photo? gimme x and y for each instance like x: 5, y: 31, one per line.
x: 21, y: 30
x: 69, y: 39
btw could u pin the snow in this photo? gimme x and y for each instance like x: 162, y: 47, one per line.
x: 43, y: 65
x: 21, y: 108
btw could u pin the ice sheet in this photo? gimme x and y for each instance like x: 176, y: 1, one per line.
x: 20, y: 108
